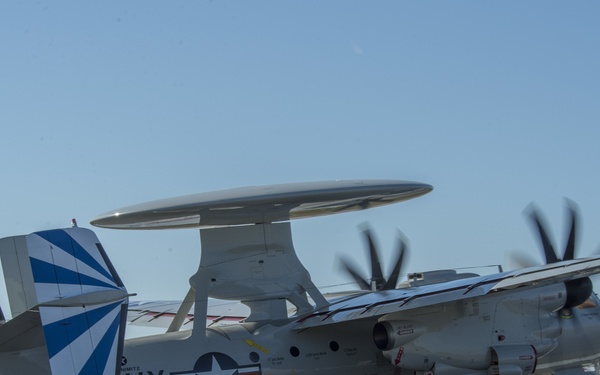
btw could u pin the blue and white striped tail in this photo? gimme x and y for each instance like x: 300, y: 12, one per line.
x: 81, y: 299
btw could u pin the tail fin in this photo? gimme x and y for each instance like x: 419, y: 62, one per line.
x: 66, y: 275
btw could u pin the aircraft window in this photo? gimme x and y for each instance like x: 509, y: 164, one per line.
x: 294, y: 351
x: 334, y: 346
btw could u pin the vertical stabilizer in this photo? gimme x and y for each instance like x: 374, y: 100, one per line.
x: 66, y: 276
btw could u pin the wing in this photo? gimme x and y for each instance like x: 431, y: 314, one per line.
x: 160, y: 314
x: 377, y: 305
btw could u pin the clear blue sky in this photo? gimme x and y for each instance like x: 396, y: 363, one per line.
x: 496, y: 104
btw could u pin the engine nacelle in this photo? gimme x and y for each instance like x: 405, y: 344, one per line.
x: 390, y: 334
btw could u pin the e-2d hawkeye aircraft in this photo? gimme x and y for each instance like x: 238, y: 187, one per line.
x: 69, y: 305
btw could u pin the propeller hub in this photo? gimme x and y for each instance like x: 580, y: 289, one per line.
x: 578, y: 291
x: 377, y: 281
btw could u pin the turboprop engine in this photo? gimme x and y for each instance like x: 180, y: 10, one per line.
x: 503, y: 333
x: 507, y: 333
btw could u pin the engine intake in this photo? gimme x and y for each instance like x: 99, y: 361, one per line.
x: 390, y: 334
x: 513, y: 359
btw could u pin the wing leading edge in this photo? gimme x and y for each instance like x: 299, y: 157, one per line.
x: 377, y: 305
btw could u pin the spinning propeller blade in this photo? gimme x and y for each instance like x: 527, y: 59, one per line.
x: 547, y: 247
x: 570, y: 246
x: 578, y: 290
x: 549, y: 251
x: 393, y: 279
x: 351, y: 270
x: 376, y: 272
x: 377, y: 280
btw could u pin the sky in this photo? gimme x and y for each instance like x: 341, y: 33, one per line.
x: 495, y: 104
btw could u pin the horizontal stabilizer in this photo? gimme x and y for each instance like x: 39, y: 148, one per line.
x: 22, y: 333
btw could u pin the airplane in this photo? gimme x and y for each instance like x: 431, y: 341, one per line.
x: 70, y: 307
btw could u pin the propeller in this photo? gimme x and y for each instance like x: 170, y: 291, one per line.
x: 377, y: 280
x: 549, y: 251
x: 578, y: 290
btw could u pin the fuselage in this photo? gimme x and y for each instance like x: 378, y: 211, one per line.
x: 252, y: 348
x: 459, y: 338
